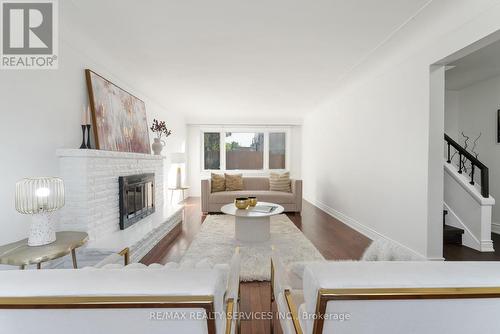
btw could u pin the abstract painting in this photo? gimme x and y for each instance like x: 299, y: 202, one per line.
x: 118, y: 117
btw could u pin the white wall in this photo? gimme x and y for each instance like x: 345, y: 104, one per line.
x: 194, y: 142
x: 377, y: 130
x: 477, y: 107
x: 41, y: 111
x: 435, y: 188
x: 451, y: 115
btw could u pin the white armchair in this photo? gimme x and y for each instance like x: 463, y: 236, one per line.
x: 390, y: 297
x: 122, y: 299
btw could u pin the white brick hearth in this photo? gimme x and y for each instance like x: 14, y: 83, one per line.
x: 91, y: 184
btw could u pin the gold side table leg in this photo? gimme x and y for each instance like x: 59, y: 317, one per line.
x: 73, y: 257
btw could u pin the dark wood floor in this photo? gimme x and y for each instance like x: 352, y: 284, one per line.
x: 332, y: 238
x: 462, y: 253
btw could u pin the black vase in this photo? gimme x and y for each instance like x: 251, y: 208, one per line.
x: 88, y: 136
x: 83, y: 138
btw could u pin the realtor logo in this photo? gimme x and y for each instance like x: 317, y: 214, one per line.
x: 29, y: 34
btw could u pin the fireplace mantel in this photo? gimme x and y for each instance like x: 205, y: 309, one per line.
x: 79, y: 153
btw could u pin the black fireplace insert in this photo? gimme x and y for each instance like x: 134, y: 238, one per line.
x: 137, y: 198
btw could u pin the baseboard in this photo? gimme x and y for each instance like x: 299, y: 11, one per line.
x: 365, y: 230
x: 361, y: 228
x: 487, y: 246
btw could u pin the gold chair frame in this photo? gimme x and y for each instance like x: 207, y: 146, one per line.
x: 126, y: 255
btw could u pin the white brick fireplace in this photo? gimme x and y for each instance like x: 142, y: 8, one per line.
x: 92, y: 202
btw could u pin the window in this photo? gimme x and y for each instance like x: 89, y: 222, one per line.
x: 244, y: 150
x: 211, y: 150
x: 277, y: 150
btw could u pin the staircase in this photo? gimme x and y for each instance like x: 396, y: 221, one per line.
x: 451, y: 235
x: 467, y: 203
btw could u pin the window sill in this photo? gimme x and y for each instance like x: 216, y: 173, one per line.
x: 245, y: 172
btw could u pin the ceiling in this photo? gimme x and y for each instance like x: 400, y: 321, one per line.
x: 232, y: 59
x: 478, y: 66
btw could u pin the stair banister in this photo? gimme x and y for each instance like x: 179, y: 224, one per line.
x: 462, y: 152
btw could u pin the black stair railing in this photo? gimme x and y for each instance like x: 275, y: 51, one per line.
x: 474, y: 162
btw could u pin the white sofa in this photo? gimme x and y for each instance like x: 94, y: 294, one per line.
x: 121, y: 299
x: 390, y: 297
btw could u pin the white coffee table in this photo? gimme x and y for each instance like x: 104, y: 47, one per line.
x: 250, y: 225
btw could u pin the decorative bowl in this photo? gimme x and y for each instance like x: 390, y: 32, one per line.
x: 241, y: 203
x: 252, y: 200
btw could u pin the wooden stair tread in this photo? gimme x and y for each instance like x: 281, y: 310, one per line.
x: 452, y: 229
x: 452, y: 235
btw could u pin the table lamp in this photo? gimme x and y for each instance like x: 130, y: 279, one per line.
x: 40, y: 197
x: 178, y: 158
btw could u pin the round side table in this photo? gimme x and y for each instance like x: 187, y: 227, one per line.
x: 20, y: 254
x: 182, y: 189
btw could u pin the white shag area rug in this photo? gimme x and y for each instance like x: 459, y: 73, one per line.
x: 216, y: 243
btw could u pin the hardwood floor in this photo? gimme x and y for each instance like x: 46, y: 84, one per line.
x: 332, y: 238
x: 461, y: 253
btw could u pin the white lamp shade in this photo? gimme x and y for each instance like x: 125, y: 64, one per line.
x: 39, y: 195
x: 178, y: 158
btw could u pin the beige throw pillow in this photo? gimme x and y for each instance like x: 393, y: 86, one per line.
x: 234, y: 182
x: 280, y: 182
x: 218, y: 183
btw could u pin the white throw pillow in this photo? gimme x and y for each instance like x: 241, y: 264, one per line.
x: 280, y: 182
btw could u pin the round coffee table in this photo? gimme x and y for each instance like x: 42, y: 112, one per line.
x: 250, y: 224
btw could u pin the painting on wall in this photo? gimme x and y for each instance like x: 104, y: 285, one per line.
x: 118, y: 117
